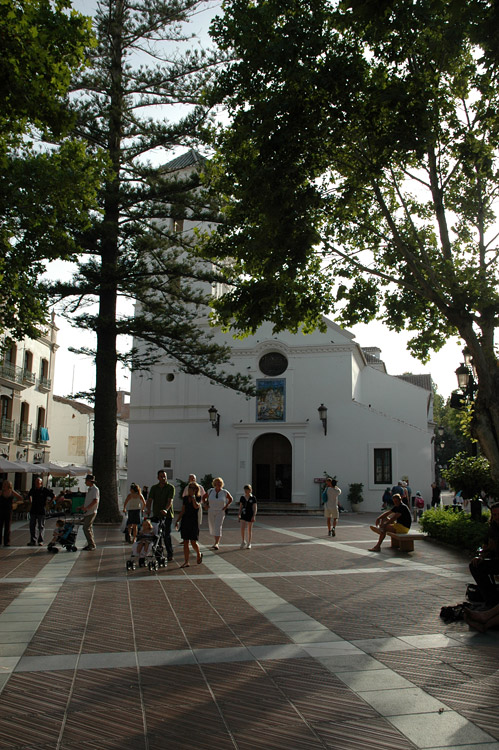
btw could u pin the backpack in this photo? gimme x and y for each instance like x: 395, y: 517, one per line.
x: 419, y: 502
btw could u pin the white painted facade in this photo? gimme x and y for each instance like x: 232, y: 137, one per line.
x: 369, y: 413
x: 72, y: 434
x: 26, y: 377
x: 38, y: 427
x: 72, y: 439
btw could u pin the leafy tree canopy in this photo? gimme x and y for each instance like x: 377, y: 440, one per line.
x: 470, y: 475
x: 42, y: 43
x: 46, y: 189
x: 360, y: 171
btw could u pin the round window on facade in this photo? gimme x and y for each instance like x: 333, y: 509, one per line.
x: 170, y: 377
x: 273, y: 364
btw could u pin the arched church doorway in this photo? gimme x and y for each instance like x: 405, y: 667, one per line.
x: 272, y: 456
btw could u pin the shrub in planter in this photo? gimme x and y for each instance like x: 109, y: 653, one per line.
x: 355, y: 495
x: 457, y: 529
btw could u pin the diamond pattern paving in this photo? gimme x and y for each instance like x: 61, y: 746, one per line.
x: 265, y: 649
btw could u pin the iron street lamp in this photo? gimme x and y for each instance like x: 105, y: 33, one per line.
x: 214, y: 419
x: 323, y: 416
x: 463, y: 376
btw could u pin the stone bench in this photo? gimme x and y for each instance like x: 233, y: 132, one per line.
x: 405, y: 542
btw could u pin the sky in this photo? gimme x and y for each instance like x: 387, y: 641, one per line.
x: 75, y: 373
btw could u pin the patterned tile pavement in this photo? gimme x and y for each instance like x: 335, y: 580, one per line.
x: 303, y: 641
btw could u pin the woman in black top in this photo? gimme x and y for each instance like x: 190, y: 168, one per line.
x: 189, y: 528
x: 247, y: 514
x: 7, y: 496
x: 397, y: 519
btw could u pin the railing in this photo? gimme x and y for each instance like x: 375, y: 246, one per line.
x: 11, y: 372
x: 29, y: 377
x: 7, y: 427
x: 44, y: 384
x: 25, y: 431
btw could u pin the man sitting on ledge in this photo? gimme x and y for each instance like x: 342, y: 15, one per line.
x: 485, y: 565
x: 397, y: 520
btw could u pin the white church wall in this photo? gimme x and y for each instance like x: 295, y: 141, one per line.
x: 170, y: 428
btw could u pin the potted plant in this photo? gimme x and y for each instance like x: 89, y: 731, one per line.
x: 355, y: 495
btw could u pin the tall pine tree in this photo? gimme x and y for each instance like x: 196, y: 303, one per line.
x: 138, y: 78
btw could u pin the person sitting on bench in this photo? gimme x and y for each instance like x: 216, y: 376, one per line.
x: 485, y: 565
x: 397, y: 520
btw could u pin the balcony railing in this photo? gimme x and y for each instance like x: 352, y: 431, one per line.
x: 25, y: 431
x: 11, y: 375
x: 7, y: 427
x: 29, y: 377
x: 44, y: 384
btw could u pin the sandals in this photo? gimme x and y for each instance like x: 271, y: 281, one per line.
x: 185, y: 565
x: 200, y: 559
x: 215, y: 547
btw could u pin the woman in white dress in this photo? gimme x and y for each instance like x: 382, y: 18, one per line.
x: 217, y: 500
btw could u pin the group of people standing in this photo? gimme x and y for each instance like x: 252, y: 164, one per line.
x: 217, y: 500
x: 38, y: 497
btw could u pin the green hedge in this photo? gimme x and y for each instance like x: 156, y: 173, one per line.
x: 455, y: 528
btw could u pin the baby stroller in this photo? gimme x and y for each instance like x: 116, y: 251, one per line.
x: 67, y: 534
x: 154, y: 559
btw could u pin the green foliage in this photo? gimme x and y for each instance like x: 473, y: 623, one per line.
x: 207, y: 481
x: 42, y: 45
x: 355, y: 495
x: 65, y: 482
x: 455, y: 438
x: 360, y: 172
x: 471, y: 475
x: 45, y: 199
x: 455, y: 528
x: 46, y: 190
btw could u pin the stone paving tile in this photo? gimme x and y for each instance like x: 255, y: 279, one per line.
x: 62, y: 628
x: 447, y: 728
x: 424, y: 669
x: 30, y: 715
x: 484, y: 717
x: 357, y: 734
x: 296, y: 700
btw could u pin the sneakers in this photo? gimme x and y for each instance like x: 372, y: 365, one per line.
x: 333, y: 532
x: 88, y: 549
x: 242, y: 545
x: 248, y: 546
x: 330, y: 533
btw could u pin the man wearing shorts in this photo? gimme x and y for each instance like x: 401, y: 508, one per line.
x: 397, y: 520
x: 331, y: 511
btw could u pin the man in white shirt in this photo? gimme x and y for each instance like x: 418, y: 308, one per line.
x: 90, y: 510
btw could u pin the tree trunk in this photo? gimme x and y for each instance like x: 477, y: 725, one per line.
x: 106, y: 356
x: 105, y: 410
x: 485, y: 420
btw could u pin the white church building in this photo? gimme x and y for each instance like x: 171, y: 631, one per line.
x: 323, y: 405
x: 375, y: 428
